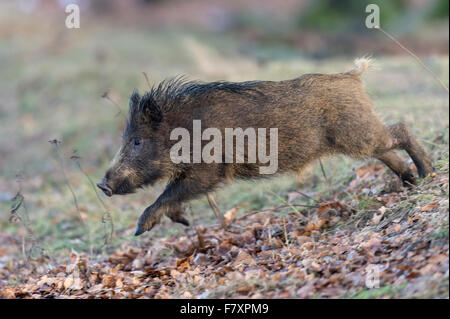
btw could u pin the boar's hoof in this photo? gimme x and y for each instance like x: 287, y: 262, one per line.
x: 408, y: 179
x: 176, y: 215
x: 142, y: 228
x: 180, y: 220
x: 184, y: 221
x: 139, y: 231
x: 149, y: 218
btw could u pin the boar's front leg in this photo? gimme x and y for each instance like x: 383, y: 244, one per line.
x: 176, y: 192
x: 176, y: 214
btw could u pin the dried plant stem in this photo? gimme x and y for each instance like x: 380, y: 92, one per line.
x: 216, y: 210
x: 107, y: 217
x: 147, y: 79
x: 330, y: 189
x: 76, y: 160
x: 74, y: 197
x: 106, y: 96
x: 286, y: 240
x: 66, y: 180
x: 284, y: 201
x: 415, y: 57
x: 324, y: 174
x: 17, y: 202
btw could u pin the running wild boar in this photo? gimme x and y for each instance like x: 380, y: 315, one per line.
x: 312, y: 116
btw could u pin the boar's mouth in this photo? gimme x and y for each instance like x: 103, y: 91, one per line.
x: 126, y: 186
x: 123, y: 188
x: 105, y: 188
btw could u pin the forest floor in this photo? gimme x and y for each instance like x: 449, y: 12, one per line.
x: 364, y: 242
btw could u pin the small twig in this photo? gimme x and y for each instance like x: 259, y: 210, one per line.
x: 285, y: 232
x: 17, y: 202
x: 56, y: 143
x: 193, y: 227
x: 323, y: 172
x: 284, y: 201
x: 191, y: 222
x: 307, y: 196
x: 415, y: 57
x: 148, y: 81
x: 76, y: 159
x: 107, y: 217
x: 216, y: 210
x: 253, y: 212
x: 201, y: 241
x: 295, y: 205
x: 411, y: 185
x: 325, y: 176
x: 431, y: 143
x: 106, y: 96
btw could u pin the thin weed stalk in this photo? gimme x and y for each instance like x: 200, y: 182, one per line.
x: 147, y: 79
x: 414, y: 56
x: 107, y: 217
x: 106, y: 96
x: 56, y: 144
x: 17, y: 202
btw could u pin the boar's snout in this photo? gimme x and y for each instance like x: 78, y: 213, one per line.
x: 105, y: 188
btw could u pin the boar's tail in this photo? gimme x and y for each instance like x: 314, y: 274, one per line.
x: 361, y: 65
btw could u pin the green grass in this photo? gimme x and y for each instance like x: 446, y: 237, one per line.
x: 386, y: 291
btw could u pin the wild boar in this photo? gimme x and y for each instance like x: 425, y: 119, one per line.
x: 314, y: 115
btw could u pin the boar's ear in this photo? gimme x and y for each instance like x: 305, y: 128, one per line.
x: 151, y: 111
x: 134, y: 99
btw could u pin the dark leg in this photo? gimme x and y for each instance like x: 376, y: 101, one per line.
x: 176, y: 192
x: 404, y: 139
x: 176, y: 214
x: 395, y: 163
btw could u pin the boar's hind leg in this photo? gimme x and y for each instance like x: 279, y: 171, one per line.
x: 395, y: 163
x: 404, y: 139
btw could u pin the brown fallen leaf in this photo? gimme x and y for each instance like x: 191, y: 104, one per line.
x: 325, y: 207
x: 186, y: 295
x: 379, y: 215
x: 230, y: 215
x: 68, y: 282
x: 310, y: 227
x: 439, y: 258
x: 244, y: 258
x: 429, y: 207
x: 373, y: 244
x: 119, y: 283
x: 368, y: 171
x: 77, y: 284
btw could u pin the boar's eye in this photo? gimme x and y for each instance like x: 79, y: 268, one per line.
x: 137, y: 143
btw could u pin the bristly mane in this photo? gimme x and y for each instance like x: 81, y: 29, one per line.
x: 170, y: 93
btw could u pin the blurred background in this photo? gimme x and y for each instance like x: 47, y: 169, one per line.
x: 70, y: 85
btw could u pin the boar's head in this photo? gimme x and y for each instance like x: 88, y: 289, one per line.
x: 138, y: 162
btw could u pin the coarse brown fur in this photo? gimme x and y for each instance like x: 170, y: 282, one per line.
x: 316, y: 115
